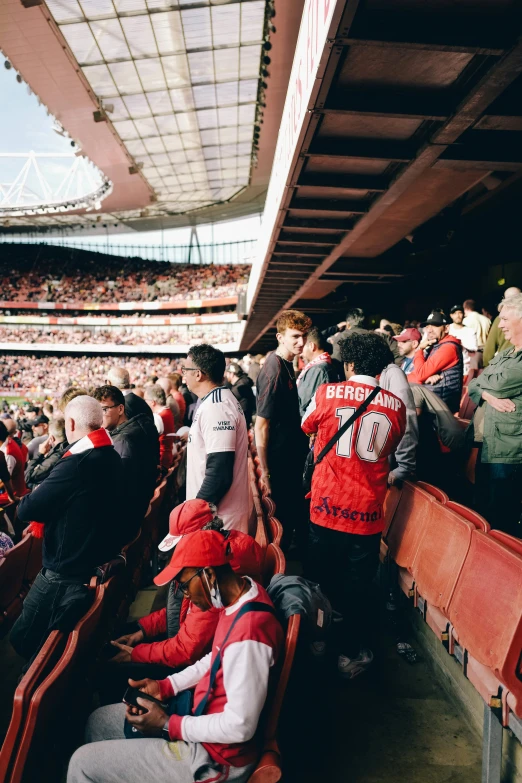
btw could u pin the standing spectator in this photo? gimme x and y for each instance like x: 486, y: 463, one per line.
x: 438, y: 361
x: 496, y: 342
x: 119, y: 377
x: 498, y: 424
x: 15, y: 465
x: 166, y: 385
x: 348, y: 490
x: 353, y: 324
x: 465, y: 334
x: 408, y: 342
x: 281, y: 445
x: 217, y: 450
x: 319, y: 368
x: 136, y: 441
x: 175, y: 379
x: 164, y: 421
x: 479, y: 323
x: 241, y: 387
x: 49, y: 453
x: 79, y: 512
x: 40, y: 434
x: 252, y: 367
x: 403, y: 461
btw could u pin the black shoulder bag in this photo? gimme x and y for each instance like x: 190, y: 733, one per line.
x: 310, y: 464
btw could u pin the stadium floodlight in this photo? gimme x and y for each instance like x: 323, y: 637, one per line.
x: 38, y: 188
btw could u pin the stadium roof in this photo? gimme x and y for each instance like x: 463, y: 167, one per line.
x: 177, y: 87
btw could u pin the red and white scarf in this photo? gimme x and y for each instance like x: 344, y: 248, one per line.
x: 94, y: 440
x: 324, y: 357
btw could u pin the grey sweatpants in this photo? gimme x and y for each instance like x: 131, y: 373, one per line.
x: 110, y: 758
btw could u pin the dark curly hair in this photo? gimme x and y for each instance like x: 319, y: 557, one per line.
x: 111, y: 393
x: 209, y: 360
x: 368, y: 352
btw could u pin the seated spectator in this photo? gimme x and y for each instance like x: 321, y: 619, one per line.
x: 68, y: 395
x: 49, y: 453
x: 241, y: 387
x: 408, y: 342
x: 498, y: 425
x: 220, y: 737
x: 78, y: 509
x: 15, y: 436
x: 119, y: 377
x: 6, y: 543
x: 465, y: 334
x: 183, y: 632
x: 5, y: 476
x: 15, y: 466
x: 496, y: 342
x: 164, y: 421
x: 136, y: 441
x: 349, y: 488
x: 40, y: 427
x: 438, y: 361
x: 319, y: 368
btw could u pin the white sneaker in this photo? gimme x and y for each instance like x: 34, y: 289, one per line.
x: 351, y: 667
x: 318, y: 649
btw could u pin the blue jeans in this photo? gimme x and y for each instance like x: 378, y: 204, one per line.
x: 498, y: 495
x: 54, y: 602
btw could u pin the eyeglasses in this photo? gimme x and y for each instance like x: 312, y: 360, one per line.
x: 108, y: 408
x: 183, y: 586
x: 189, y: 369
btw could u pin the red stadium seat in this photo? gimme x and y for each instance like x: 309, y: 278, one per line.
x: 276, y: 530
x: 261, y: 532
x: 472, y: 516
x: 52, y: 703
x: 275, y: 562
x: 486, y: 609
x: 34, y: 561
x: 393, y: 495
x: 39, y: 669
x: 437, y: 493
x: 12, y: 571
x: 438, y: 562
x: 268, y: 768
x: 510, y: 541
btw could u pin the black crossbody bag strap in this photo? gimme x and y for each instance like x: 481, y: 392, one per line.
x: 359, y: 412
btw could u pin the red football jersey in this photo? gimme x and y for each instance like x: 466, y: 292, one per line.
x: 349, y: 485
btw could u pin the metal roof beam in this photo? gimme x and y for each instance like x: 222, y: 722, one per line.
x: 330, y: 205
x: 343, y: 181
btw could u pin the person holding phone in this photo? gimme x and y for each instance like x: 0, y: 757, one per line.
x: 216, y: 741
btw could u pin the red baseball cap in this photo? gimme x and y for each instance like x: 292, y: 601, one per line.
x: 202, y: 549
x: 408, y: 334
x: 186, y: 518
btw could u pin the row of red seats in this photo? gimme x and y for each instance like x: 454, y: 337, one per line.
x: 18, y: 571
x: 466, y: 580
x: 66, y: 664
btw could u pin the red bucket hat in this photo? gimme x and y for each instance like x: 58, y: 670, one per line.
x: 202, y: 549
x: 186, y: 518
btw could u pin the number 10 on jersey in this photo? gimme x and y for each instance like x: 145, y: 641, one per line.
x: 374, y: 428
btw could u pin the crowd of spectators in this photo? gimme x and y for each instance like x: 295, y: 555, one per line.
x: 119, y: 280
x: 338, y: 419
x: 220, y: 334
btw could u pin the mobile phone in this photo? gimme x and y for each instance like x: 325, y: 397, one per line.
x: 132, y: 694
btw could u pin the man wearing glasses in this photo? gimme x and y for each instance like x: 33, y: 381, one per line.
x: 217, y: 444
x: 136, y: 441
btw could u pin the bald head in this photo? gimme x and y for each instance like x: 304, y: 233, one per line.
x: 119, y: 377
x: 166, y: 385
x: 82, y: 416
x: 10, y: 426
x: 510, y: 292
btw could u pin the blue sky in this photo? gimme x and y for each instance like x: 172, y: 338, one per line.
x: 26, y: 126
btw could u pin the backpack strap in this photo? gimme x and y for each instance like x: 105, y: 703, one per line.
x: 250, y: 606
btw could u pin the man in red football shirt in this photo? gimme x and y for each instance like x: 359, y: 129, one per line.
x: 348, y: 489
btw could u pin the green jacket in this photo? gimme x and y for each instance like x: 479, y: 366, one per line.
x: 502, y: 431
x: 496, y: 342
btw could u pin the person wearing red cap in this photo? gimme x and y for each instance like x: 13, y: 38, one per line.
x: 408, y: 341
x: 183, y: 631
x: 231, y: 684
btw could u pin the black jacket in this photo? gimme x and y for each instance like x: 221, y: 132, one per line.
x: 135, y: 405
x: 83, y: 505
x: 137, y: 443
x: 39, y: 468
x: 242, y: 391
